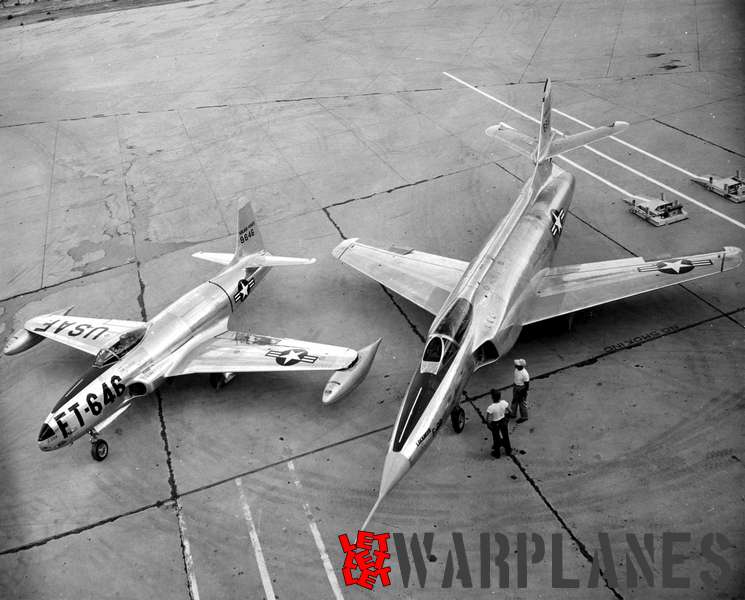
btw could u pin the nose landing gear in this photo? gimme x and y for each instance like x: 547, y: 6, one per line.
x: 458, y: 419
x: 99, y: 447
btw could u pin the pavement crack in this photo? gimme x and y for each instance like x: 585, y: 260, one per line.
x: 334, y: 223
x: 59, y: 283
x: 82, y: 528
x: 385, y: 289
x: 580, y: 545
x: 537, y: 489
x: 213, y: 106
x: 405, y: 185
x: 141, y: 294
x: 184, y: 543
x: 693, y: 135
x: 413, y: 326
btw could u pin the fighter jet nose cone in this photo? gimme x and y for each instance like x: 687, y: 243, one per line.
x: 45, y: 433
x: 395, y: 467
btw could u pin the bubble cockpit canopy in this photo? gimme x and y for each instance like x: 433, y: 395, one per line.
x: 118, y: 349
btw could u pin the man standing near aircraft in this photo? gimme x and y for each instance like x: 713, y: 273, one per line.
x: 497, y: 414
x: 520, y: 390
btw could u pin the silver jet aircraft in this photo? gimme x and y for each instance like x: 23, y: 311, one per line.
x: 133, y: 358
x: 480, y: 307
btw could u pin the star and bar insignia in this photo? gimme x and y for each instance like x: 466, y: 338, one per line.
x: 557, y: 221
x: 244, y: 289
x: 676, y: 267
x: 293, y: 356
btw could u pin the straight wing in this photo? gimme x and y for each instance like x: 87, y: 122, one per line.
x: 571, y: 288
x: 236, y: 352
x: 83, y: 333
x: 424, y: 279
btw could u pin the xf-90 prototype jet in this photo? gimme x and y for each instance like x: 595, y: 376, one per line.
x: 480, y: 307
x: 133, y: 358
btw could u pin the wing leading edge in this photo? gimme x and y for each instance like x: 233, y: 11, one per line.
x: 567, y: 289
x: 424, y: 279
x: 237, y: 352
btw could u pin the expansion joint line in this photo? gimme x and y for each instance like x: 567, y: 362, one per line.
x: 191, y: 582
x: 577, y: 542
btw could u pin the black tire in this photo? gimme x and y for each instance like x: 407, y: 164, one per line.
x: 99, y: 449
x: 217, y: 380
x: 458, y: 419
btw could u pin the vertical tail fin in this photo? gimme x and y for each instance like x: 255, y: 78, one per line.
x: 545, y: 135
x: 247, y: 238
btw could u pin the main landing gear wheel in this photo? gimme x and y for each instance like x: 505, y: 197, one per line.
x: 99, y: 449
x: 458, y: 419
x: 220, y: 380
x: 217, y: 381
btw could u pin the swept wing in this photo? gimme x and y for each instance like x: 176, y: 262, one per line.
x: 571, y: 288
x: 424, y: 279
x: 236, y: 352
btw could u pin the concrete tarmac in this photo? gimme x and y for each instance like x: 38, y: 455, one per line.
x: 129, y: 138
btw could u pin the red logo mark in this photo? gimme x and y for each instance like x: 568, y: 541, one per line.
x: 363, y: 565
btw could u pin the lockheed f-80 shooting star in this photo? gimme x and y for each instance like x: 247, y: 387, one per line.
x: 189, y: 336
x: 480, y: 307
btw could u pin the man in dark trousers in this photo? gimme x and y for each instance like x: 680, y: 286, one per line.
x: 520, y: 390
x: 497, y: 414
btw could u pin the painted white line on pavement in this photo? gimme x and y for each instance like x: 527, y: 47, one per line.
x: 188, y: 559
x: 266, y: 580
x: 330, y: 574
x: 628, y: 145
x: 603, y: 155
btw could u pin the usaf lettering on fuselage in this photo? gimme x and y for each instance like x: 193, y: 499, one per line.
x: 77, y: 329
x: 93, y: 405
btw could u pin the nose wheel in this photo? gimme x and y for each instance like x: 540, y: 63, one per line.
x: 458, y: 419
x: 99, y: 448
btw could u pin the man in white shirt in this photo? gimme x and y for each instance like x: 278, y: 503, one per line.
x: 520, y: 389
x: 497, y: 414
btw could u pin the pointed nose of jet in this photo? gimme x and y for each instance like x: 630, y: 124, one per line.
x: 46, y: 436
x: 395, y: 467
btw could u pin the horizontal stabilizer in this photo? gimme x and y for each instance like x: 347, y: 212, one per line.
x: 221, y: 258
x: 510, y: 137
x: 269, y: 260
x: 254, y: 260
x: 561, y: 144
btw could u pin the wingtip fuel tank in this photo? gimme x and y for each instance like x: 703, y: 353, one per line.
x: 344, y: 381
x: 19, y: 341
x: 22, y: 339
